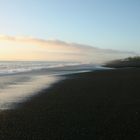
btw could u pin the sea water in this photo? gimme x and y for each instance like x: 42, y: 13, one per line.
x: 20, y: 80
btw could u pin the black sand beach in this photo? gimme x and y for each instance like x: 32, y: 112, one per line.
x: 101, y: 105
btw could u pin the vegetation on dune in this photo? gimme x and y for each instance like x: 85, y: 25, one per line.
x: 136, y: 58
x: 127, y: 62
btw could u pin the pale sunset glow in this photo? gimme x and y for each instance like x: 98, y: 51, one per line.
x: 69, y: 69
x: 92, y: 30
x: 28, y: 48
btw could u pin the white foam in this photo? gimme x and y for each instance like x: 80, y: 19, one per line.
x: 20, y: 67
x: 22, y: 89
x: 22, y: 84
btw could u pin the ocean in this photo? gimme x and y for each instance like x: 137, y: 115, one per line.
x: 21, y: 80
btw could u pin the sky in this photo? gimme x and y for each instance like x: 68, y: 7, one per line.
x: 70, y: 29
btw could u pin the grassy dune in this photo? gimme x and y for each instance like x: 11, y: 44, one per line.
x: 128, y: 62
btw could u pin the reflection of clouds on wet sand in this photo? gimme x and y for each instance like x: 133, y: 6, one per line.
x: 15, y: 89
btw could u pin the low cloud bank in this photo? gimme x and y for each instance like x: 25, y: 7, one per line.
x: 62, y: 51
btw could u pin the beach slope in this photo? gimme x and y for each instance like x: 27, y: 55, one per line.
x: 101, y: 105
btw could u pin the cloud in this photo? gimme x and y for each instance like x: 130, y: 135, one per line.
x: 63, y: 51
x: 51, y: 45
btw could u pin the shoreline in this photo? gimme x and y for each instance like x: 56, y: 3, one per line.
x: 92, y: 105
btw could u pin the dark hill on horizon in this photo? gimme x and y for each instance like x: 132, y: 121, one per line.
x: 122, y: 63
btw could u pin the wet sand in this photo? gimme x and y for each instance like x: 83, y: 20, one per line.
x: 101, y: 105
